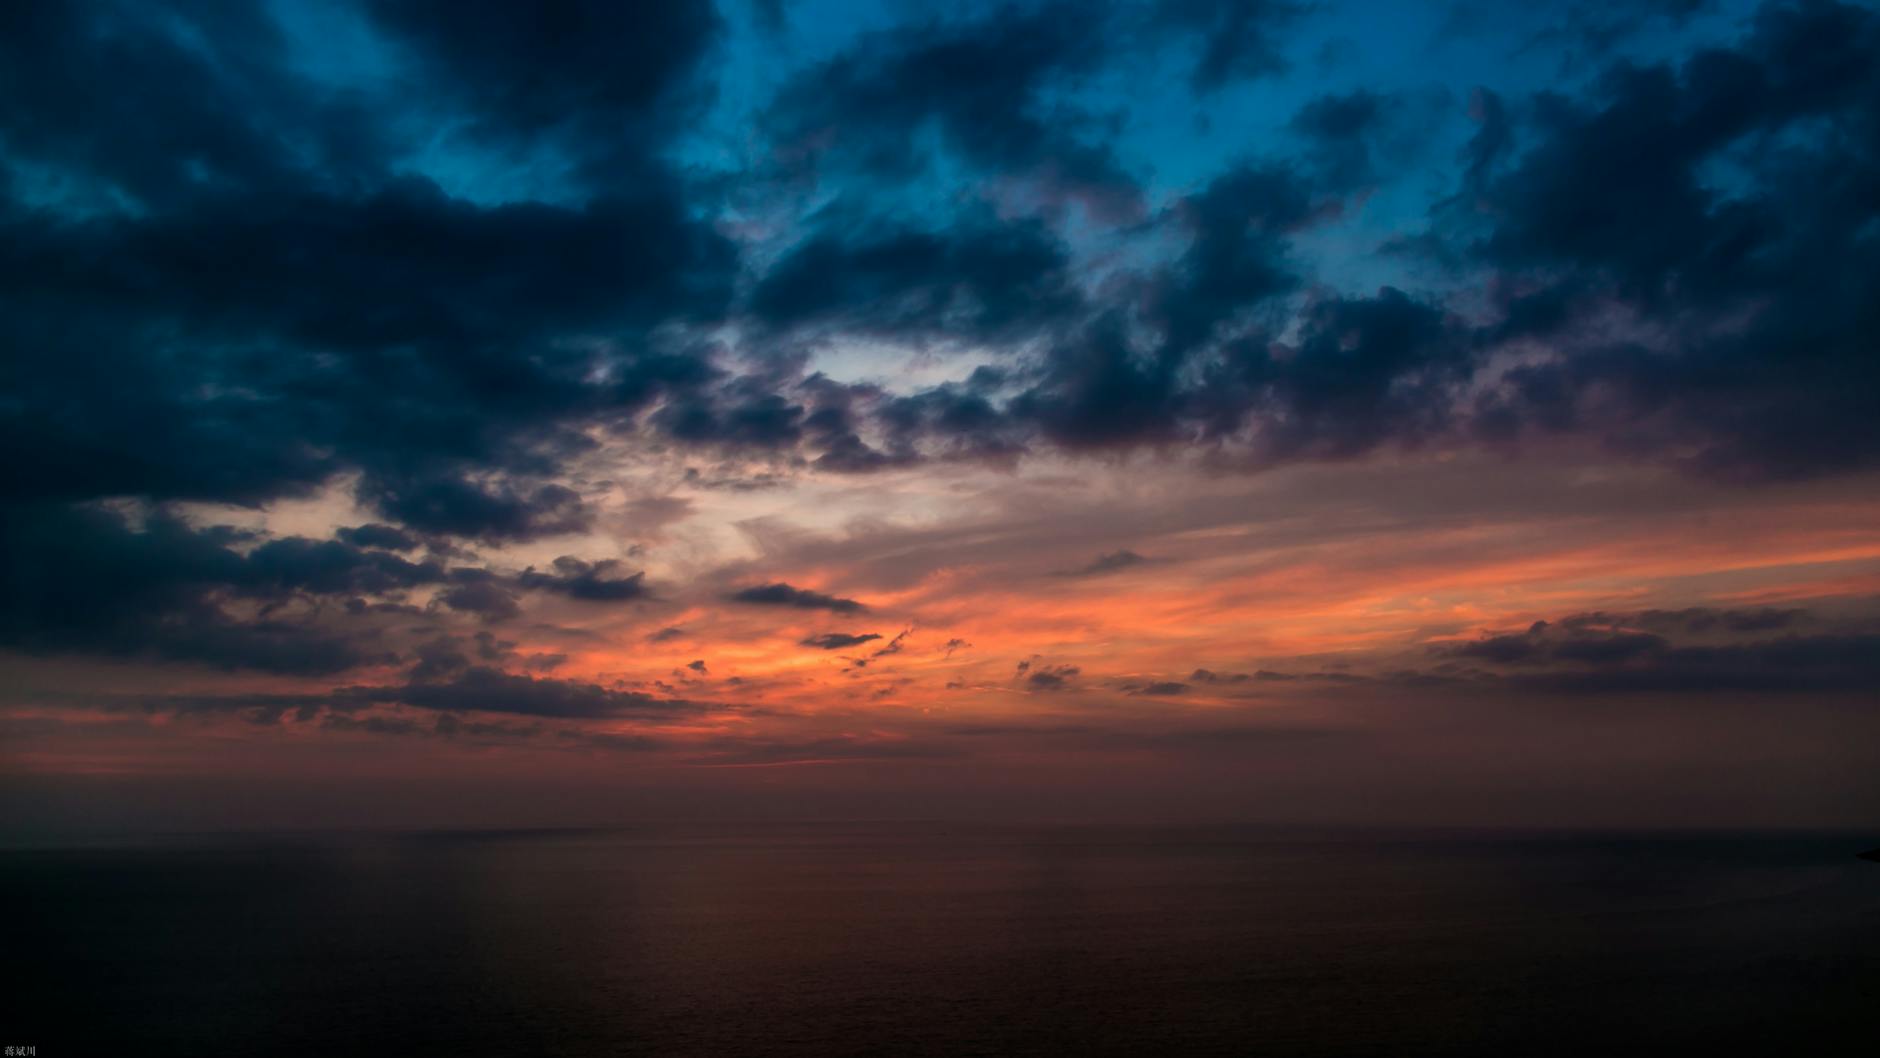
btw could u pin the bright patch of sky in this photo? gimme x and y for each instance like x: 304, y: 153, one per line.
x: 895, y: 367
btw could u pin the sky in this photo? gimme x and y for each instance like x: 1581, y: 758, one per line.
x: 1441, y: 413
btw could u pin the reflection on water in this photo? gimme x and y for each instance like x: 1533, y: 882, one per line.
x: 931, y: 939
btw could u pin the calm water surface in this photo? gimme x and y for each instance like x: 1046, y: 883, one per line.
x: 933, y: 939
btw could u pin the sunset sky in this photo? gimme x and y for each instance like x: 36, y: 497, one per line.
x: 1351, y: 412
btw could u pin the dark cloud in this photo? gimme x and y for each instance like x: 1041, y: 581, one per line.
x: 1361, y: 373
x: 331, y: 567
x: 387, y: 537
x: 1505, y: 649
x: 1613, y: 648
x: 992, y: 91
x: 88, y: 580
x: 744, y: 414
x: 1697, y: 649
x: 275, y: 307
x: 453, y: 506
x: 1747, y: 297
x: 1110, y: 562
x: 1210, y: 676
x: 834, y: 427
x: 584, y: 75
x: 781, y: 594
x: 455, y: 391
x: 1695, y: 620
x: 1366, y: 372
x: 1049, y: 677
x: 978, y: 279
x: 958, y: 421
x: 62, y: 101
x: 1198, y: 364
x: 1747, y: 351
x: 981, y: 88
x: 1817, y: 663
x: 1238, y: 227
x: 666, y: 635
x: 439, y: 659
x: 484, y: 689
x: 839, y: 640
x: 888, y: 649
x: 588, y: 581
x: 480, y: 592
x: 1099, y: 392
x: 449, y: 655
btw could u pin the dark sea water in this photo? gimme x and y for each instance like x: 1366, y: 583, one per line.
x: 934, y: 939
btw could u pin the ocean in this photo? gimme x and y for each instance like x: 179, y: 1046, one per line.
x: 935, y: 939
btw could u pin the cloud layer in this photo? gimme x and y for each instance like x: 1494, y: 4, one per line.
x: 397, y: 369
